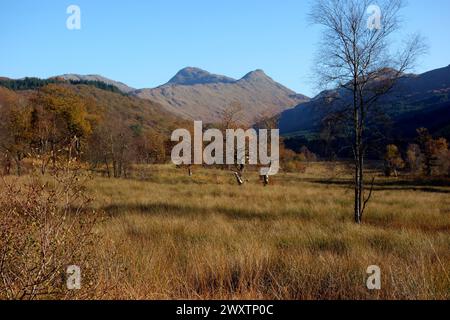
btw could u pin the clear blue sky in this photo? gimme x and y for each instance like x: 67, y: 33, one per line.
x: 144, y: 43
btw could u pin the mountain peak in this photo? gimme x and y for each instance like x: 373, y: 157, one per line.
x: 192, y: 76
x: 256, y: 75
x: 196, y: 94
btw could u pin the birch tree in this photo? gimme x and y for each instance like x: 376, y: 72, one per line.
x: 359, y: 56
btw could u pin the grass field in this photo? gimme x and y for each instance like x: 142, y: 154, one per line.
x: 171, y: 236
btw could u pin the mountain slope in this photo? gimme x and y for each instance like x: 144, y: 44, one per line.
x: 116, y: 108
x: 131, y: 111
x: 416, y: 101
x: 198, y: 95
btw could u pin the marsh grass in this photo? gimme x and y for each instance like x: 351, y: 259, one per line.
x: 203, y: 237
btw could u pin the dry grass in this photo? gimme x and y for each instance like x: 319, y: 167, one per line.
x: 203, y: 237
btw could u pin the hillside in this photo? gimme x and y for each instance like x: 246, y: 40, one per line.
x: 196, y: 94
x: 416, y: 101
x: 115, y: 107
x: 132, y: 110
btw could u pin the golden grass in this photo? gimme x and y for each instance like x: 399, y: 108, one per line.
x: 203, y: 237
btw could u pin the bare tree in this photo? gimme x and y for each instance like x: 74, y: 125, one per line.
x: 230, y: 120
x: 354, y: 56
x: 268, y: 121
x: 112, y: 145
x: 229, y: 117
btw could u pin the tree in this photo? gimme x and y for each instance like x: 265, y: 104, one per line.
x: 440, y: 160
x: 414, y: 158
x: 425, y: 141
x: 150, y: 147
x: 435, y: 152
x: 111, y: 144
x: 14, y: 130
x: 59, y: 117
x: 229, y: 117
x: 266, y: 120
x: 230, y: 120
x: 355, y: 58
x: 393, y: 160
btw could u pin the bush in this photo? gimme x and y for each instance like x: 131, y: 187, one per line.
x: 44, y: 228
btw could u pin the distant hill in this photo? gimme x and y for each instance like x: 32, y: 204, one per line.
x: 36, y: 83
x: 416, y: 101
x: 196, y: 94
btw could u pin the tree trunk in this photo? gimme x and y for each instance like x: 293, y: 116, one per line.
x: 108, y: 171
x: 359, y: 156
x: 114, y: 165
x: 358, y: 189
x: 18, y: 167
x: 361, y: 186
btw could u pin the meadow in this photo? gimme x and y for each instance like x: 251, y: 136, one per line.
x: 168, y: 235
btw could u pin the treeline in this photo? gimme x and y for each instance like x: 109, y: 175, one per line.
x: 36, y: 83
x: 106, y: 132
x: 427, y: 156
x: 55, y: 122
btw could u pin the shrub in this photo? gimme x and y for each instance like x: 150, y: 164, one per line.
x: 44, y: 228
x: 294, y: 166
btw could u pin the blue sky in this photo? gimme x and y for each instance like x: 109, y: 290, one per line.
x: 144, y: 43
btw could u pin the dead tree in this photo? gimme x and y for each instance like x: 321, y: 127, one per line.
x: 239, y: 179
x: 265, y: 180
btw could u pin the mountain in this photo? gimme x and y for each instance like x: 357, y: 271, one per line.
x: 416, y: 101
x: 193, y: 93
x: 196, y: 94
x: 77, y: 77
x: 192, y: 76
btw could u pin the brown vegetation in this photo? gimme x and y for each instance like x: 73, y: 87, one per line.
x: 208, y: 238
